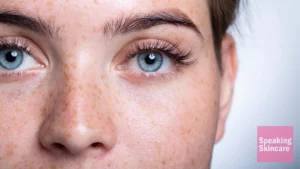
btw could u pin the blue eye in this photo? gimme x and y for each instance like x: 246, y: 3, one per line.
x: 11, y: 59
x: 150, y: 62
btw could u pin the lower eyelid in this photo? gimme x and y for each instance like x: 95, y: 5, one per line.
x: 11, y: 77
x: 137, y: 77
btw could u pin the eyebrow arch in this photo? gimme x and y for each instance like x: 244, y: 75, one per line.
x: 34, y: 24
x: 138, y: 22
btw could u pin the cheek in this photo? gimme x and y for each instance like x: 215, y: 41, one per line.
x: 176, y: 129
x: 20, y: 115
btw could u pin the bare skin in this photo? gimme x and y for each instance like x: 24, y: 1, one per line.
x: 81, y: 102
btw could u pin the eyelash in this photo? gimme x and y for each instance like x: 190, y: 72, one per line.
x: 170, y: 50
x: 15, y: 43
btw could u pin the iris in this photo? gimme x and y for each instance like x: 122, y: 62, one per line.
x: 150, y: 62
x: 11, y: 59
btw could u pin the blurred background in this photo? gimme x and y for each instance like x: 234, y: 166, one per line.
x: 267, y: 89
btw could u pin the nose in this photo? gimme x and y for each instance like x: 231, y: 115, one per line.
x: 75, y: 139
x: 75, y: 121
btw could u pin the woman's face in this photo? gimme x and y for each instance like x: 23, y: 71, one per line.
x: 109, y: 84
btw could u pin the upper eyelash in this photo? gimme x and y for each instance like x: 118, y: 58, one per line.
x: 171, y: 50
x: 15, y: 43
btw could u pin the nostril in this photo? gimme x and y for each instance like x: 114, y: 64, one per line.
x: 97, y: 145
x: 59, y: 146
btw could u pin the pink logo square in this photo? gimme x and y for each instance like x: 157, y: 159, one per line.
x: 275, y: 144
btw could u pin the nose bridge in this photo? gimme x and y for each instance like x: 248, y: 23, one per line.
x: 75, y: 96
x: 76, y: 120
x: 79, y: 87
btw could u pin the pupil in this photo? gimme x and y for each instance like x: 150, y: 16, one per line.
x: 150, y: 59
x: 11, y: 56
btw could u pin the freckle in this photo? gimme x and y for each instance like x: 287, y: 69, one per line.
x: 73, y: 65
x: 94, y: 107
x: 43, y: 112
x: 96, y: 29
x: 53, y: 167
x: 68, y: 55
x: 68, y: 134
x: 49, y: 3
x: 99, y: 91
x: 96, y: 1
x: 33, y: 92
x: 51, y: 17
x: 10, y: 153
x: 163, y: 162
x: 119, y: 114
x: 79, y: 25
x: 66, y: 66
x: 80, y: 87
x: 84, y: 37
x: 75, y: 43
x: 18, y: 110
x: 109, y: 164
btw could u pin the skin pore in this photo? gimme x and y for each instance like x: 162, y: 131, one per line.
x: 80, y: 99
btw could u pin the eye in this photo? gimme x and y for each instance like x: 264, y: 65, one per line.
x: 150, y: 62
x: 12, y: 59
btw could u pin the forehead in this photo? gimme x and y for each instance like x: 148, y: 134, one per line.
x: 97, y: 11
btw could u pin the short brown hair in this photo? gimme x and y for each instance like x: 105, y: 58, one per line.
x: 222, y: 15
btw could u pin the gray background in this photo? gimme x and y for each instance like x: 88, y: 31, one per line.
x: 268, y: 86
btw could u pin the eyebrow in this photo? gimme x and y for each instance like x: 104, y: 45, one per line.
x: 138, y: 22
x: 33, y: 24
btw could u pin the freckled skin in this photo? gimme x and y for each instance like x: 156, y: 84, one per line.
x: 78, y: 113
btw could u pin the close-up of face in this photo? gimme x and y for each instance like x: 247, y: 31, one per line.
x: 113, y: 84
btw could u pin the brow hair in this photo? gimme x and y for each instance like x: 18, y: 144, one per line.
x: 138, y: 22
x: 17, y: 19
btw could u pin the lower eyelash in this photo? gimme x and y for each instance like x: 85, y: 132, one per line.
x: 145, y: 77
